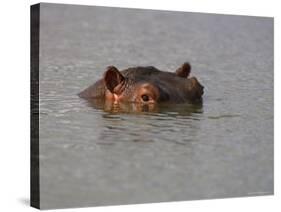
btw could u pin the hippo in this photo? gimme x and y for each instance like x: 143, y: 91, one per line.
x: 146, y: 86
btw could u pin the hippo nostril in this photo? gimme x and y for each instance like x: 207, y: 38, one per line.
x: 145, y: 98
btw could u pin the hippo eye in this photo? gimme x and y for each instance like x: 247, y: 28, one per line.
x: 145, y: 98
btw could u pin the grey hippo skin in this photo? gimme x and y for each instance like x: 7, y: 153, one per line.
x: 146, y: 85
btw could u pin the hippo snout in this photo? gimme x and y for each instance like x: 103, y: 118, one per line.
x: 196, y: 89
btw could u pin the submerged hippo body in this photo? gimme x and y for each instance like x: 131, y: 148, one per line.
x: 146, y: 85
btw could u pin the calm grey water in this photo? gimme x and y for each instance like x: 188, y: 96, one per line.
x: 92, y: 157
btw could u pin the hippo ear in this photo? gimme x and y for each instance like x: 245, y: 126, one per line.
x: 184, y: 70
x: 112, y: 78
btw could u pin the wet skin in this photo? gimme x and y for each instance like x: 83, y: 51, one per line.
x: 145, y: 86
x: 185, y: 109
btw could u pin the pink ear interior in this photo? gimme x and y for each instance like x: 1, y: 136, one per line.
x: 112, y: 78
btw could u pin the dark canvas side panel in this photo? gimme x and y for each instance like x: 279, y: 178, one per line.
x: 34, y: 105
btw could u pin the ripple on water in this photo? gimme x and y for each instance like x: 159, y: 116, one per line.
x: 224, y: 116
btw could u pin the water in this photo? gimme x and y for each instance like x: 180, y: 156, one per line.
x: 90, y: 156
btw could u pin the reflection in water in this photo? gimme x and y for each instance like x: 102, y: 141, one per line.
x: 135, y: 108
x: 134, y: 122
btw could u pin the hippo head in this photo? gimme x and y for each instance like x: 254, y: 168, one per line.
x: 148, y: 85
x: 122, y: 89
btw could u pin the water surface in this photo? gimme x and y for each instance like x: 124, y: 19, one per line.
x: 223, y: 148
